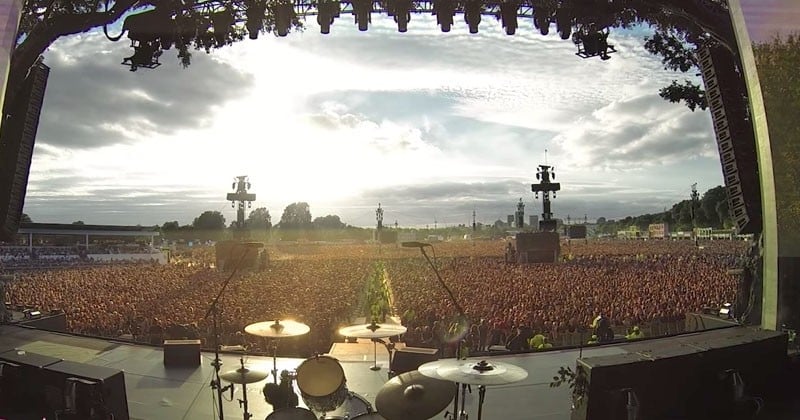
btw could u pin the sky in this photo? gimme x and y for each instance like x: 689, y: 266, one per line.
x: 430, y: 125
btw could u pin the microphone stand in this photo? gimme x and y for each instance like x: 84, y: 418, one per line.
x: 461, y: 313
x: 214, y: 310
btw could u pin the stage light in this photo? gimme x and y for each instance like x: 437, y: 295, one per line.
x: 508, y: 16
x: 284, y: 14
x: 542, y: 15
x: 326, y: 13
x: 402, y: 15
x: 222, y: 22
x: 444, y: 11
x: 726, y: 311
x: 362, y: 9
x: 145, y: 54
x: 472, y: 14
x: 255, y: 18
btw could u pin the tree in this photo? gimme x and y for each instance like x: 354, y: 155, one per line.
x: 209, y: 220
x: 711, y: 209
x: 330, y: 221
x: 296, y: 216
x: 78, y: 222
x: 259, y: 219
x: 170, y: 226
x: 25, y: 218
x: 677, y: 50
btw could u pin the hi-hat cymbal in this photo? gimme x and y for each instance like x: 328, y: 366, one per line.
x: 243, y: 375
x: 372, y: 330
x: 474, y: 372
x: 412, y: 395
x: 277, y: 329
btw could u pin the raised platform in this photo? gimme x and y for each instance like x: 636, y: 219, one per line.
x: 156, y: 392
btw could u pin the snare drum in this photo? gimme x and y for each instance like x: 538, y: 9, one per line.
x: 292, y: 413
x: 354, y: 405
x: 322, y: 383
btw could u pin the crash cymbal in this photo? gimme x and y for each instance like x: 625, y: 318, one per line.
x: 277, y: 329
x: 475, y: 372
x: 243, y: 375
x: 412, y: 395
x: 372, y: 330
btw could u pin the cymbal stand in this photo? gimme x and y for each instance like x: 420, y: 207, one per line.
x: 216, y: 384
x: 481, y: 395
x: 375, y: 355
x: 274, y: 345
x: 460, y: 414
x: 243, y: 400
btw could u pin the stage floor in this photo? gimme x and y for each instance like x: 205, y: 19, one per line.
x: 155, y: 392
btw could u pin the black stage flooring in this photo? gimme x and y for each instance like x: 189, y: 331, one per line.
x: 155, y: 392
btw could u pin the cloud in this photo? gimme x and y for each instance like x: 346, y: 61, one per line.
x: 91, y: 101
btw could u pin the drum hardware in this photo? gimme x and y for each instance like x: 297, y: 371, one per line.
x: 481, y: 373
x: 243, y: 376
x: 373, y: 331
x: 353, y: 407
x: 275, y: 330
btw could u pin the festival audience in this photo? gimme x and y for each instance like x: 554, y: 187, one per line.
x: 629, y: 282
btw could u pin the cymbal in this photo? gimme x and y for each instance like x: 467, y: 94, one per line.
x: 412, y: 395
x: 277, y: 329
x: 244, y: 375
x: 372, y: 330
x: 475, y: 372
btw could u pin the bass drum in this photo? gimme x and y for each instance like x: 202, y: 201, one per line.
x: 353, y: 406
x: 322, y: 383
x: 293, y: 413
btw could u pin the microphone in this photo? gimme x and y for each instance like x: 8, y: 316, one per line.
x: 414, y: 244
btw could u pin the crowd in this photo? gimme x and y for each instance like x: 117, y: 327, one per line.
x: 630, y: 283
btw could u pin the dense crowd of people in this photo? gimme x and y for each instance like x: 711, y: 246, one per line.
x: 629, y: 282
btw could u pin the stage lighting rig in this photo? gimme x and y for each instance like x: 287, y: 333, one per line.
x: 255, y: 17
x: 241, y: 197
x: 508, y: 16
x: 592, y: 42
x: 362, y: 9
x: 145, y: 54
x: 445, y: 11
x: 472, y: 14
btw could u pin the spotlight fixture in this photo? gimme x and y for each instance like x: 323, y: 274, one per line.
x: 145, y: 54
x: 363, y: 11
x: 444, y: 10
x: 472, y: 14
x: 222, y: 22
x: 401, y: 9
x: 508, y: 16
x: 255, y: 18
x: 327, y: 11
x: 284, y: 14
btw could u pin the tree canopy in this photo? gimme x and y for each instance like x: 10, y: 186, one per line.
x: 209, y: 220
x: 296, y: 216
x: 259, y: 219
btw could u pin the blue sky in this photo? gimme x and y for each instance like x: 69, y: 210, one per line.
x: 430, y: 125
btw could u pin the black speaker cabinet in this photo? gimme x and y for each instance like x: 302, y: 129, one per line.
x: 21, y: 383
x: 85, y: 391
x: 181, y: 353
x: 410, y: 358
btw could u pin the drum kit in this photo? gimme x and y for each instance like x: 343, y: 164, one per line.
x: 374, y: 332
x: 419, y: 394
